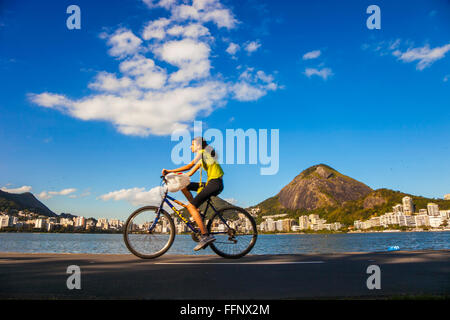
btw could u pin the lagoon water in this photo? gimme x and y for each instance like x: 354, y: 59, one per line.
x: 266, y: 244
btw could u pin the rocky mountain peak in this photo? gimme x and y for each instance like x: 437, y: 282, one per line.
x: 321, y: 186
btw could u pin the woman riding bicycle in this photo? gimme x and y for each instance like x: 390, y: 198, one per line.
x: 205, y: 158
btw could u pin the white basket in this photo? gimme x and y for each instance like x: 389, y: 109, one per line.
x: 177, y: 181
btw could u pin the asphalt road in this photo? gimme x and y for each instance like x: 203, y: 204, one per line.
x: 337, y: 275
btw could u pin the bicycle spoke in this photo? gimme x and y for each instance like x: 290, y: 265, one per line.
x: 143, y: 242
x: 235, y: 232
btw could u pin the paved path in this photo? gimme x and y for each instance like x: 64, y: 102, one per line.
x: 338, y: 275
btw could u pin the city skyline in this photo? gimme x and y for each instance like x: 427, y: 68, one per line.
x: 403, y: 215
x: 373, y: 104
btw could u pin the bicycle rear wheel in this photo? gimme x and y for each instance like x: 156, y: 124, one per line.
x: 146, y: 239
x: 235, y: 232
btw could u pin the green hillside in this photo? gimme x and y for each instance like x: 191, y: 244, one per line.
x: 377, y: 203
x: 23, y: 201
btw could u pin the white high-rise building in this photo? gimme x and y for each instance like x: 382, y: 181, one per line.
x: 435, y: 221
x: 375, y: 221
x: 422, y: 220
x: 270, y: 225
x: 407, y: 221
x: 116, y: 223
x: 80, y: 222
x: 397, y: 208
x: 102, y: 223
x: 313, y: 218
x: 66, y: 222
x: 408, y: 205
x: 4, y: 221
x: 303, y: 222
x: 433, y: 209
x: 7, y: 221
x: 40, y: 223
x: 279, y: 225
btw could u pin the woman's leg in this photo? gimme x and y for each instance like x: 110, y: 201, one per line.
x: 187, y: 194
x: 198, y: 219
x: 214, y: 187
x: 194, y: 211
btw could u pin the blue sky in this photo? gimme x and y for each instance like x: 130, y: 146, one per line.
x: 88, y: 131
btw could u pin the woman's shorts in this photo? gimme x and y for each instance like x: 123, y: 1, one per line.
x: 212, y: 188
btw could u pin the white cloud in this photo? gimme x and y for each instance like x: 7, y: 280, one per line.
x: 123, y: 42
x: 152, y: 80
x: 49, y: 194
x: 193, y: 30
x: 44, y: 195
x: 233, y: 48
x: 205, y: 11
x: 395, y: 44
x: 424, y: 55
x: 155, y: 29
x: 253, y: 85
x: 17, y: 190
x: 109, y: 82
x: 135, y: 196
x: 165, y: 79
x: 185, y: 12
x: 179, y: 52
x: 222, y: 17
x: 144, y: 72
x: 231, y: 200
x: 324, y: 73
x: 244, y: 91
x: 311, y: 55
x: 64, y: 192
x: 191, y: 56
x: 267, y: 78
x: 160, y: 3
x: 252, y: 46
x: 49, y: 100
x: 157, y: 113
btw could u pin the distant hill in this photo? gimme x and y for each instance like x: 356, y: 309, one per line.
x: 321, y: 186
x: 335, y: 197
x: 67, y: 215
x: 23, y: 201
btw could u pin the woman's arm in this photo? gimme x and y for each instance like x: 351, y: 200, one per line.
x: 194, y: 169
x: 184, y: 168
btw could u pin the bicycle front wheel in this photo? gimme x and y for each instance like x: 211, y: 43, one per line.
x: 145, y: 238
x: 235, y: 232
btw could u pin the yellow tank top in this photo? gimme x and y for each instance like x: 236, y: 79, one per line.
x: 210, y: 165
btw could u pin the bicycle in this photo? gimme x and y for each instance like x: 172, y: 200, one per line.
x: 150, y: 231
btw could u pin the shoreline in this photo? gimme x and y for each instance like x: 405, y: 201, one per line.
x: 200, y: 256
x: 352, y: 232
x: 278, y: 233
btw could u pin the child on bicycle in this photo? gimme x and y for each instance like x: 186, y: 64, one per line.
x: 204, y: 158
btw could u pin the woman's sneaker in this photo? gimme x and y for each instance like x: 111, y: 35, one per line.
x: 204, y: 241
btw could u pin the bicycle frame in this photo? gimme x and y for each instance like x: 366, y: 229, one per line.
x: 167, y: 199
